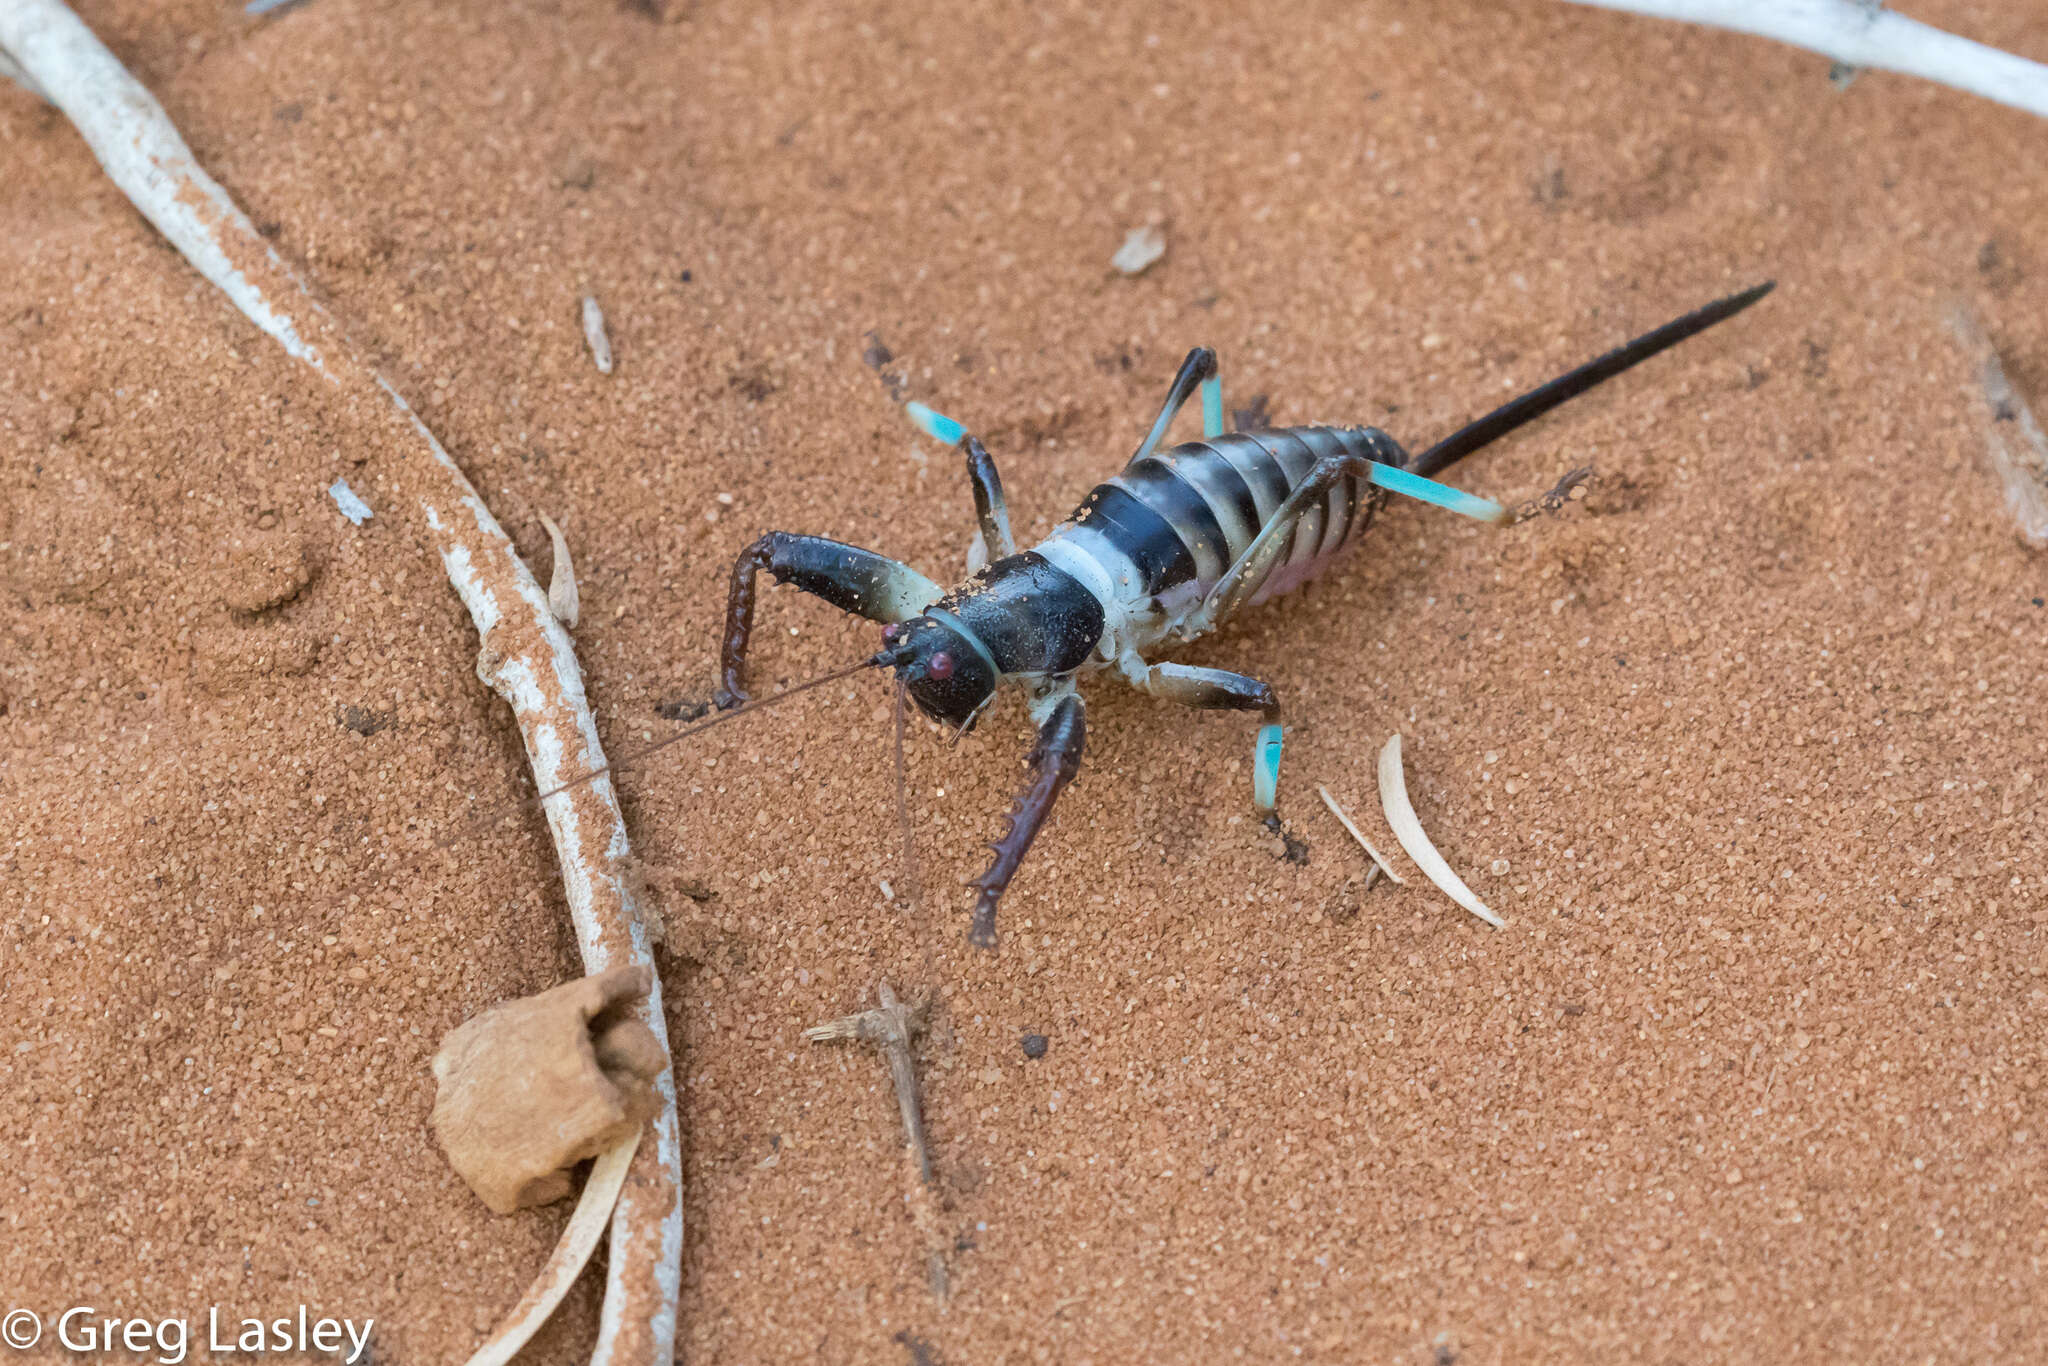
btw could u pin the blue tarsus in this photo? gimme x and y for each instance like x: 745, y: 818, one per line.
x: 935, y: 425
x: 1266, y: 767
x: 1212, y: 406
x: 1442, y: 495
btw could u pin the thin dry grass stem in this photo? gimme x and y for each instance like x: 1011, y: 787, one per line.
x: 2017, y: 446
x: 1379, y: 860
x: 890, y: 1027
x: 586, y: 1225
x: 525, y: 655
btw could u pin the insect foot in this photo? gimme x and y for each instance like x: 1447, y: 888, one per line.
x: 531, y: 1087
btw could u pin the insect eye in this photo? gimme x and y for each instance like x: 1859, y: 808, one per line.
x: 890, y: 632
x: 940, y: 666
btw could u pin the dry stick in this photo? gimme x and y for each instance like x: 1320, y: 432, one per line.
x: 601, y: 1188
x: 1379, y: 860
x: 14, y: 73
x: 2018, y: 447
x: 1861, y: 33
x: 526, y: 657
x: 890, y: 1028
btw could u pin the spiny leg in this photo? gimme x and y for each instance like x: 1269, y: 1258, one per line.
x: 1054, y: 760
x: 851, y: 579
x: 1274, y: 539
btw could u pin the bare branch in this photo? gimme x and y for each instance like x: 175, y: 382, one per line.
x: 525, y: 656
x: 1861, y: 33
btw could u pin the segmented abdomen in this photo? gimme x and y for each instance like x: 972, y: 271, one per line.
x: 1170, y: 525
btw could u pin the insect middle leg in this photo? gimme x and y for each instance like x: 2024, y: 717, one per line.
x: 992, y: 537
x: 850, y: 578
x: 1220, y: 690
x: 1204, y: 689
x: 1198, y: 371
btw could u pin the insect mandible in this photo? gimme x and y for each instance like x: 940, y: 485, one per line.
x: 1164, y: 552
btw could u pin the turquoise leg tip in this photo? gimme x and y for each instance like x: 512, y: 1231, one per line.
x: 1212, y: 406
x: 1441, y: 495
x: 1266, y: 768
x: 935, y: 425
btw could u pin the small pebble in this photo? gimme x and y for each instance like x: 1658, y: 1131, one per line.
x: 352, y: 507
x: 1141, y: 249
x: 1035, y: 1045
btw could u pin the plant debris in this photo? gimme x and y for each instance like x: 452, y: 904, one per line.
x: 1379, y: 860
x: 1408, y: 830
x: 562, y: 599
x: 594, y: 334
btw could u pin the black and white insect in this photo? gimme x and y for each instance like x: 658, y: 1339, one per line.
x: 1165, y: 552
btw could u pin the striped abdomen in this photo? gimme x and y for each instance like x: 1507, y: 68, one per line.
x: 1166, y: 529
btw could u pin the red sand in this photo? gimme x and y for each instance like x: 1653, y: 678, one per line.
x: 1755, y: 1069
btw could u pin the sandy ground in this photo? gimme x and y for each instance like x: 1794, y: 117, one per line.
x: 1747, y: 749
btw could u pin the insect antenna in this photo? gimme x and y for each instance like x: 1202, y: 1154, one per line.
x: 635, y: 756
x: 632, y: 757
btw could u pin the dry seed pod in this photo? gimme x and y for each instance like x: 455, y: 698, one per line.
x: 531, y: 1087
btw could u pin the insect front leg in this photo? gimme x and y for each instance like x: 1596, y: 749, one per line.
x: 1054, y: 761
x: 851, y: 579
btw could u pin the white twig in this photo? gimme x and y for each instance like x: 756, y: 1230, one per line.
x: 2018, y: 447
x: 1863, y: 33
x: 1407, y: 829
x: 526, y: 656
x: 14, y: 73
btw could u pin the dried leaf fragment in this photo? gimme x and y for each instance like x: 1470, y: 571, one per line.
x: 531, y: 1087
x: 1407, y: 829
